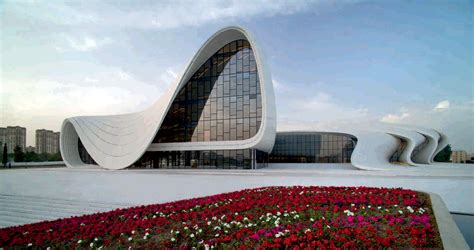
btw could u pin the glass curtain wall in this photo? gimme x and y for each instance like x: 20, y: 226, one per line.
x: 221, y: 102
x: 313, y: 148
x: 208, y: 159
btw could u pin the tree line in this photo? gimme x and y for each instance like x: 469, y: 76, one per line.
x: 18, y: 155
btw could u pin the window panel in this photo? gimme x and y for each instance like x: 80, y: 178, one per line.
x: 223, y: 84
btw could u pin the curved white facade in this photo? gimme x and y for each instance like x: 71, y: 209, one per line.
x: 119, y: 141
x: 376, y: 146
x: 116, y: 142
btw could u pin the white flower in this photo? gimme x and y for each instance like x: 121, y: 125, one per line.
x: 130, y: 239
x: 410, y: 209
x: 400, y: 211
x: 96, y: 239
x: 311, y: 219
x: 186, y: 228
x: 133, y: 232
x: 79, y: 241
x: 209, y: 223
x: 307, y: 230
x: 192, y: 235
x: 30, y: 244
x: 217, y: 235
x: 92, y: 244
x: 173, y: 239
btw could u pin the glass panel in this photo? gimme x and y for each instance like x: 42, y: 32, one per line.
x: 223, y: 84
x: 312, y: 148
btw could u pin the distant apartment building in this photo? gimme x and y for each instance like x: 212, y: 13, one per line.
x: 47, y: 141
x: 3, y: 136
x: 459, y: 156
x: 13, y: 136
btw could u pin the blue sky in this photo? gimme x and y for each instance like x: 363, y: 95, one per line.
x: 345, y: 62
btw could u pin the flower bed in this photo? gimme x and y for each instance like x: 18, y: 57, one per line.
x: 269, y: 217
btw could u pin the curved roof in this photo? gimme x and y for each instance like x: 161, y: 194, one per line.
x: 117, y: 141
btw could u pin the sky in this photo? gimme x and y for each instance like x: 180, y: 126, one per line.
x: 334, y: 63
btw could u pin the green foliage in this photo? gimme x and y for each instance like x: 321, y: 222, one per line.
x: 31, y: 157
x: 444, y: 155
x: 18, y: 154
x: 55, y: 157
x: 34, y: 157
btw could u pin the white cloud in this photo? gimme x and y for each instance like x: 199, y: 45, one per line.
x: 171, y: 73
x: 394, y: 118
x: 122, y: 75
x: 46, y: 102
x: 86, y: 43
x: 168, y: 77
x: 88, y: 79
x: 441, y: 106
x: 156, y: 14
x: 305, y: 107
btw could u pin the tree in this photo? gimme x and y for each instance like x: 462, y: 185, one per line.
x: 55, y: 157
x: 18, y: 154
x: 5, y: 154
x: 31, y: 156
x: 444, y: 155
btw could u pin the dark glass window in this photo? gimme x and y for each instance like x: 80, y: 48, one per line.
x: 401, y: 147
x: 224, y: 91
x: 312, y: 148
x: 83, y: 154
x: 223, y: 159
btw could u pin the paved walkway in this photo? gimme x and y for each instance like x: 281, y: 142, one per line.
x: 17, y: 209
x: 31, y: 195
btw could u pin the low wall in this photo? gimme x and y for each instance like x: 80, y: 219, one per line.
x: 449, y: 231
x: 37, y: 164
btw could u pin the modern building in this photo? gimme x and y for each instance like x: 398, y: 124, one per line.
x: 459, y: 156
x: 13, y: 136
x: 3, y: 136
x: 221, y: 114
x: 47, y: 141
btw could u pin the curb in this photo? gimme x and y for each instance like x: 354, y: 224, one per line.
x: 451, y: 236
